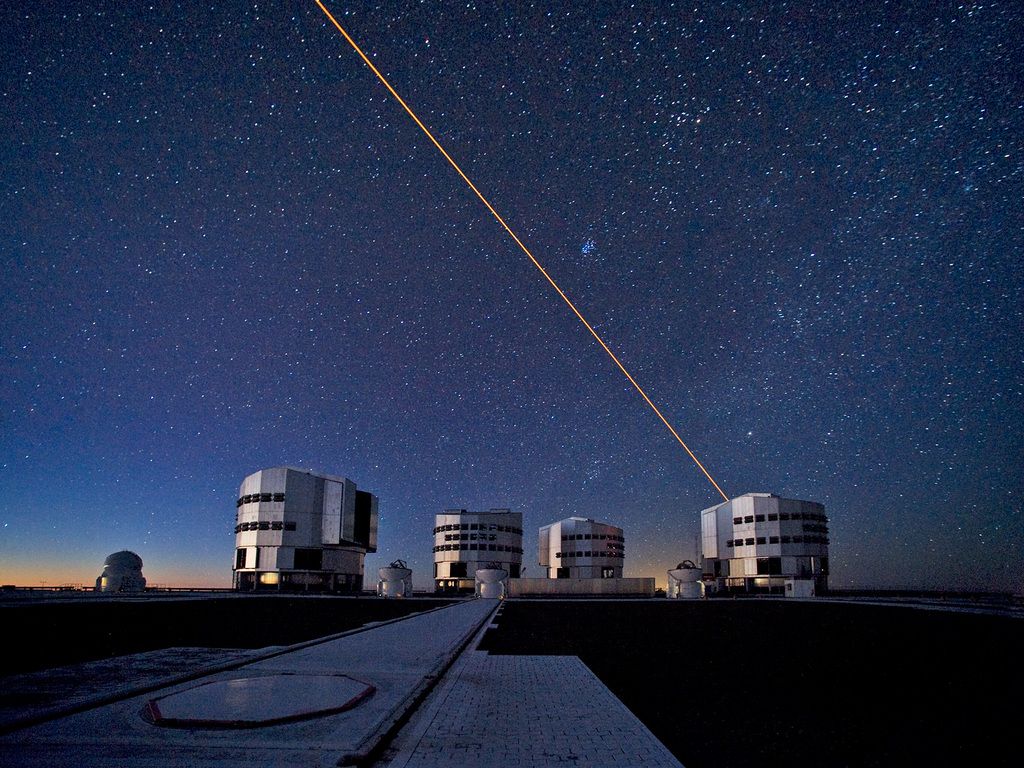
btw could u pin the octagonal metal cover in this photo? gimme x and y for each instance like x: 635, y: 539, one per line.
x: 254, y: 702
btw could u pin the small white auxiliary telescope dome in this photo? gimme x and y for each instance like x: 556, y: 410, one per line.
x: 491, y: 582
x: 122, y: 572
x: 395, y: 580
x: 684, y: 581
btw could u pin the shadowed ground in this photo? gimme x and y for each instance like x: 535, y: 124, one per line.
x: 773, y: 683
x: 48, y: 635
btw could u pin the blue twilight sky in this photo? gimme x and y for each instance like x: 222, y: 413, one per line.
x: 224, y: 247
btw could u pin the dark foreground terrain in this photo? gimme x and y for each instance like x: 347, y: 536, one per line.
x: 773, y: 683
x: 723, y: 684
x: 54, y: 634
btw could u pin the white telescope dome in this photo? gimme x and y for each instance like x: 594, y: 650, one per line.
x: 122, y: 572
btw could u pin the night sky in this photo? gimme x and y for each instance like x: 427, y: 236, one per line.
x: 224, y: 247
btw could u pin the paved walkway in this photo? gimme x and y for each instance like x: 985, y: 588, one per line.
x: 526, y: 711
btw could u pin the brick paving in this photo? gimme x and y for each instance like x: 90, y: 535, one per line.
x: 526, y: 711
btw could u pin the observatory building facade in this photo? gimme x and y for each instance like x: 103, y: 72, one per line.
x: 465, y: 542
x: 298, y: 530
x: 579, y: 548
x: 760, y: 542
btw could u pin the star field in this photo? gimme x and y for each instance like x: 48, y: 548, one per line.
x: 226, y: 247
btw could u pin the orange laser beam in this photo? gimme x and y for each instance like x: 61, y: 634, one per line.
x: 519, y: 243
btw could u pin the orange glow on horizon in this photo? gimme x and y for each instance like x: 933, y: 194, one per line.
x: 84, y: 576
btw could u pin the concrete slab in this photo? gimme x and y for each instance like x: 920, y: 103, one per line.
x: 38, y: 696
x: 401, y: 659
x: 498, y: 711
x: 252, y: 702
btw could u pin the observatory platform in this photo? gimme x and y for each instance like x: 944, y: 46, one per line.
x: 340, y: 700
x: 400, y: 659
